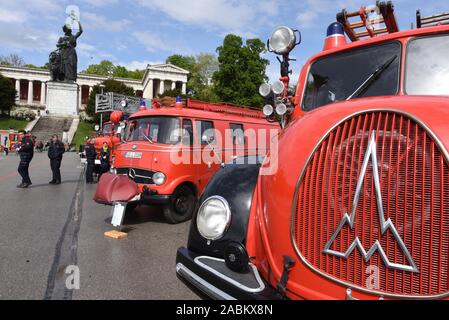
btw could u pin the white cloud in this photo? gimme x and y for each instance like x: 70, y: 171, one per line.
x: 94, y: 21
x: 222, y: 14
x: 311, y: 11
x: 100, y: 3
x: 153, y: 43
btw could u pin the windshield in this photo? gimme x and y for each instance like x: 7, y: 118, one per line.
x: 427, y: 67
x: 109, y: 129
x: 163, y: 130
x: 336, y: 77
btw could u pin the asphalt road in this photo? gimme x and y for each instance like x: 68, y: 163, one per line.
x: 45, y: 229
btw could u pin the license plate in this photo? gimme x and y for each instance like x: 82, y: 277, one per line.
x: 133, y: 155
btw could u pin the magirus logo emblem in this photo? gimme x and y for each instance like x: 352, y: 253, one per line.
x: 385, y: 225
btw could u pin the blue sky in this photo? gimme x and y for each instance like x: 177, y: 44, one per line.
x: 140, y: 32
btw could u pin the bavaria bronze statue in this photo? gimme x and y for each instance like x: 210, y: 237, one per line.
x: 63, y: 62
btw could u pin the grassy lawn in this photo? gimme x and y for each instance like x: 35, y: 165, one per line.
x: 84, y: 130
x: 10, y: 123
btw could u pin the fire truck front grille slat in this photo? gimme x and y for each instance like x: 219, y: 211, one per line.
x: 141, y: 176
x: 414, y: 186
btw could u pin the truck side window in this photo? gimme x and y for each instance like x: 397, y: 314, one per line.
x: 207, y: 131
x: 238, y: 134
x: 187, y: 132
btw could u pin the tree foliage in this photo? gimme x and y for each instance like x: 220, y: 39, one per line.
x: 241, y: 71
x: 7, y: 94
x: 201, y: 68
x: 12, y: 60
x: 109, y: 86
x: 109, y: 69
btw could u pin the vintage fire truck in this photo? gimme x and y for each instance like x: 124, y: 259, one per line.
x: 359, y: 205
x: 169, y: 154
x: 13, y: 137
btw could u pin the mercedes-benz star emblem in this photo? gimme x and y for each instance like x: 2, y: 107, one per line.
x: 384, y: 224
x: 132, y: 174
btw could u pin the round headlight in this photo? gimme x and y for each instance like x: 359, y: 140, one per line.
x: 265, y: 90
x: 214, y: 218
x: 97, y: 127
x: 268, y: 110
x: 278, y: 87
x: 159, y: 178
x: 123, y: 103
x: 283, y: 40
x: 281, y: 109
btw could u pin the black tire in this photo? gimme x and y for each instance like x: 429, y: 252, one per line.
x: 181, y: 206
x: 130, y: 209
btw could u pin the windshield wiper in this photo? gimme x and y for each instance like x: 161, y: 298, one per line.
x: 146, y: 137
x: 371, y: 79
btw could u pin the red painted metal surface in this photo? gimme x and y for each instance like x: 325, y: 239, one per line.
x: 415, y: 194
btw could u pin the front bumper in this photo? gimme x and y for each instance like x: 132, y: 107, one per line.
x: 220, y: 283
x: 119, y: 188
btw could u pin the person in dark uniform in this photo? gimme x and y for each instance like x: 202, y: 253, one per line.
x: 91, y: 155
x: 26, y: 153
x: 105, y: 156
x: 55, y: 152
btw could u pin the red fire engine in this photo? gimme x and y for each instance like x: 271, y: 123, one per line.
x: 359, y: 205
x: 169, y: 154
x: 13, y: 137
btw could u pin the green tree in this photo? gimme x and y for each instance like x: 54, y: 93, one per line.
x: 241, y: 71
x: 104, y: 68
x: 109, y: 86
x: 185, y: 62
x: 201, y: 68
x: 108, y: 69
x: 7, y: 94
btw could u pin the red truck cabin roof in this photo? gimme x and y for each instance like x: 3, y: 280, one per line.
x: 403, y: 37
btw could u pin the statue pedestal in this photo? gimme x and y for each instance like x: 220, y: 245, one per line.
x: 62, y: 99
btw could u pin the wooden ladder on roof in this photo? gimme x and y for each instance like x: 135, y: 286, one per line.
x: 385, y: 18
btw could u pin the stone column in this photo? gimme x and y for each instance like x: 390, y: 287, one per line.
x: 18, y: 90
x: 80, y: 97
x: 184, y: 87
x: 151, y: 89
x: 43, y: 92
x: 30, y: 92
x: 173, y: 85
x: 161, y: 87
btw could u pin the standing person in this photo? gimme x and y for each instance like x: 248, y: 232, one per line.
x: 26, y: 153
x: 6, y: 146
x: 91, y: 155
x: 55, y: 152
x: 105, y: 156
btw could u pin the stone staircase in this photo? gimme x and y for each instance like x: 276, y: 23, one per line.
x: 48, y: 126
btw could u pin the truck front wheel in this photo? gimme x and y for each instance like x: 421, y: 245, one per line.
x: 181, y: 206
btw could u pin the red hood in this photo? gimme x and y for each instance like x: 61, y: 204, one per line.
x: 296, y: 145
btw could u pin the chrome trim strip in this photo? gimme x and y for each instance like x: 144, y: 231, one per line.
x: 232, y: 281
x: 295, y: 197
x: 202, y: 284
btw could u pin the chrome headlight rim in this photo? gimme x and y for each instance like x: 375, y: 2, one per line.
x: 279, y: 35
x: 159, y: 178
x: 227, y: 222
x: 265, y: 90
x: 268, y: 110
